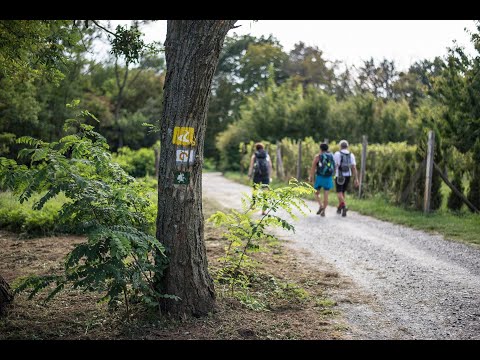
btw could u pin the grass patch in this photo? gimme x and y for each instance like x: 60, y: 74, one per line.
x: 325, y: 303
x: 461, y: 226
x: 21, y: 218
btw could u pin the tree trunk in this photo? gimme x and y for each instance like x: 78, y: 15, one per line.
x: 192, y: 49
x: 6, y: 295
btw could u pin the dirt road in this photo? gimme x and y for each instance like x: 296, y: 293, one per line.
x: 413, y: 285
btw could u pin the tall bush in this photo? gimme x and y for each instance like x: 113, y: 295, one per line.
x: 122, y: 255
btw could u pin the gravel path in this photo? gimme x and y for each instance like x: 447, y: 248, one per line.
x: 420, y: 285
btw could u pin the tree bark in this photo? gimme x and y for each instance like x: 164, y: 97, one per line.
x: 192, y: 49
x: 6, y: 295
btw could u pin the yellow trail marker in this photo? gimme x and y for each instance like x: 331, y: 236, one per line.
x: 183, y: 136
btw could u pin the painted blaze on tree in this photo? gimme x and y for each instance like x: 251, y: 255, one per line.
x: 192, y: 49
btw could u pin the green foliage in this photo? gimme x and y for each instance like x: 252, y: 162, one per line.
x: 137, y: 163
x: 32, y: 94
x: 454, y: 201
x: 228, y: 88
x: 474, y: 192
x: 129, y: 44
x: 245, y: 234
x: 457, y: 87
x: 6, y: 139
x: 121, y: 256
x: 262, y: 62
x: 23, y: 219
x: 312, y: 113
x: 35, y: 48
x: 208, y: 164
x: 307, y: 66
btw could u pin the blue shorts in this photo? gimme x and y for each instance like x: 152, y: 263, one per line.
x: 324, y: 182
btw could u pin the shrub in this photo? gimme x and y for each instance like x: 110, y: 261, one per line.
x: 121, y: 257
x: 137, y: 163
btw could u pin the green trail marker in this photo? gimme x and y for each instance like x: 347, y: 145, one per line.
x: 181, y: 177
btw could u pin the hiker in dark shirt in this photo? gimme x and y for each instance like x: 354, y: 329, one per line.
x: 260, y: 168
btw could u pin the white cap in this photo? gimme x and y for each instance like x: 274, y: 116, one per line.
x: 343, y: 141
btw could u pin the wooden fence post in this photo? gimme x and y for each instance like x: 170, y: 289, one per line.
x: 363, y: 164
x: 280, y: 173
x: 429, y: 171
x: 299, y: 163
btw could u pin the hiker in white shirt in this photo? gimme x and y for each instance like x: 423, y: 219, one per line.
x: 345, y: 165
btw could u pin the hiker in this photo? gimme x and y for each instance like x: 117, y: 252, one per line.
x: 323, y: 166
x: 345, y: 164
x: 260, y: 168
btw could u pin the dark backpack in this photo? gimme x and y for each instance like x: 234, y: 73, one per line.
x: 345, y: 162
x: 326, y: 165
x: 261, y: 164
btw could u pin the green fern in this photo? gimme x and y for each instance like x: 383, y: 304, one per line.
x: 121, y: 256
x: 244, y: 234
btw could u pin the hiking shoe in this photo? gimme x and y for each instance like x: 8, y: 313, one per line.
x: 339, y: 210
x: 344, y: 211
x: 319, y: 210
x: 322, y: 213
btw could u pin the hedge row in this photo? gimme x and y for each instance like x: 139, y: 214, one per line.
x: 389, y: 167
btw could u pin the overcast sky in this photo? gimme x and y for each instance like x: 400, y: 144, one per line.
x: 352, y: 41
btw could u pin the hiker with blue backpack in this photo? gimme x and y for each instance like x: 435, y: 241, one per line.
x: 260, y: 168
x: 323, y: 166
x: 345, y: 166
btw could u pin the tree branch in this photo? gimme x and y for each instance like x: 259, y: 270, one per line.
x: 103, y: 28
x: 135, y: 77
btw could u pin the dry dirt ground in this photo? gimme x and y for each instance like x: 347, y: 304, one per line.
x: 289, y: 299
x: 376, y: 281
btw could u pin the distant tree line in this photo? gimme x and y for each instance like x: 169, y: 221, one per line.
x: 259, y: 91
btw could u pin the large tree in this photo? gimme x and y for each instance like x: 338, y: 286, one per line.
x: 457, y: 87
x: 377, y: 80
x: 192, y: 49
x: 229, y: 87
x: 307, y: 65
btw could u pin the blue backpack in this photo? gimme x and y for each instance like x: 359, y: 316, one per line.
x: 326, y: 165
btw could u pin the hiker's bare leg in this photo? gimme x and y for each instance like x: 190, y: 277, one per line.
x: 325, y: 198
x: 341, y: 197
x: 317, y: 196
